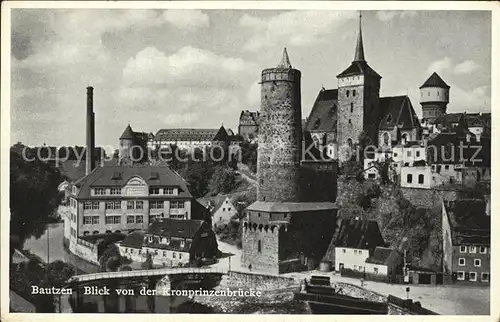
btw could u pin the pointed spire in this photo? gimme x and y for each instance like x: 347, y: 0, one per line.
x: 285, y: 61
x: 360, y: 52
x: 128, y: 134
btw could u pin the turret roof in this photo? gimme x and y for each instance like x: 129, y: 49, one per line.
x: 128, y: 134
x: 435, y: 81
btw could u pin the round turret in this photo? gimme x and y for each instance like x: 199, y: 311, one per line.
x: 434, y: 97
x: 280, y: 133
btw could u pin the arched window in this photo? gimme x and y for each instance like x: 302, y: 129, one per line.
x: 386, y: 138
x: 404, y: 138
x: 352, y: 107
x: 259, y: 246
x: 347, y: 93
x: 349, y: 142
x: 353, y: 92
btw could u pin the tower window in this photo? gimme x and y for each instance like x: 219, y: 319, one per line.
x: 349, y: 121
x: 347, y: 93
x: 259, y: 246
x: 352, y: 107
x: 353, y: 92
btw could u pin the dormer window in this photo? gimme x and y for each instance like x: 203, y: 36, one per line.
x: 99, y: 191
x: 168, y: 191
x: 116, y: 176
x: 183, y: 243
x: 154, y: 191
x: 153, y: 175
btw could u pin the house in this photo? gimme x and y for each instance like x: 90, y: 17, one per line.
x: 222, y: 210
x: 356, y: 241
x: 248, y: 127
x: 416, y: 177
x: 466, y: 230
x: 171, y: 242
x: 188, y: 139
x: 384, y: 261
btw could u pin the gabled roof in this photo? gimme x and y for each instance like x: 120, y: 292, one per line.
x: 128, y: 134
x: 440, y: 149
x: 181, y: 228
x: 218, y: 201
x: 134, y: 239
x: 187, y: 134
x: 323, y: 116
x: 397, y: 111
x: 469, y: 223
x: 250, y: 116
x: 435, y: 81
x: 381, y: 255
x: 119, y: 175
x: 359, y: 68
x: 360, y: 234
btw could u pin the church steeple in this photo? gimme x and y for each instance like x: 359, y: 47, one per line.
x: 285, y: 61
x: 360, y: 53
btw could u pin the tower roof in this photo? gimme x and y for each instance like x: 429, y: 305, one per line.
x: 435, y: 81
x: 128, y: 134
x: 359, y: 55
x: 285, y: 61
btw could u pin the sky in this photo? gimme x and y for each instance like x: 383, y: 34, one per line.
x: 200, y: 68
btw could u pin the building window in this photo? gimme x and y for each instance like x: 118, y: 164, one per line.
x: 420, y: 178
x: 463, y: 249
x: 461, y: 262
x: 482, y: 250
x: 87, y: 205
x: 472, y: 249
x: 154, y: 191
x: 111, y: 220
x: 485, y: 277
x: 259, y: 246
x: 180, y: 255
x: 343, y: 250
x: 130, y: 219
x: 87, y: 220
x: 472, y: 276
x: 99, y: 191
x: 353, y: 92
x: 139, y: 204
x: 174, y: 255
x: 375, y: 270
x: 116, y: 191
x: 177, y: 204
x: 130, y: 205
x: 347, y: 93
x: 349, y: 121
x: 113, y: 205
x: 139, y: 219
x: 168, y: 191
x: 183, y: 243
x: 409, y: 177
x: 395, y: 154
x: 446, y: 167
x: 408, y: 153
x: 95, y: 220
x: 156, y: 204
x: 355, y: 266
x: 477, y: 262
x: 460, y: 275
x: 417, y: 153
x: 352, y: 107
x: 386, y: 138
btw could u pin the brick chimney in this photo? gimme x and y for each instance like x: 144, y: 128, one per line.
x: 90, y: 135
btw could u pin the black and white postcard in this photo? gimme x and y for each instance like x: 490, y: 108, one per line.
x: 248, y: 158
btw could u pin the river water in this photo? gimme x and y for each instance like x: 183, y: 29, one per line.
x: 49, y: 247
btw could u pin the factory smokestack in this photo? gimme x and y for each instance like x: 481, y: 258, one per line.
x: 90, y: 135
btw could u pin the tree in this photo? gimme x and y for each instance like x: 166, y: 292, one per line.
x: 33, y: 196
x: 223, y: 181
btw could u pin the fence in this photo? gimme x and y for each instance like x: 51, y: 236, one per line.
x: 142, y: 273
x: 393, y: 279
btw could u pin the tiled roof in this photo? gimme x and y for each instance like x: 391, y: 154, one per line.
x: 441, y: 146
x: 134, y: 239
x: 175, y: 227
x: 380, y: 256
x: 128, y: 134
x: 250, y: 116
x: 397, y: 111
x: 360, y: 234
x: 359, y: 68
x: 291, y: 206
x: 323, y: 116
x: 191, y: 134
x: 469, y: 223
x: 119, y: 175
x: 435, y: 81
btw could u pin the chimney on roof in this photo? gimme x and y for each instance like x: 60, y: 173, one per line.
x: 90, y: 135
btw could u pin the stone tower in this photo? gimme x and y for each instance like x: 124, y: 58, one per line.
x: 358, y: 99
x: 127, y: 141
x: 434, y: 97
x: 280, y: 134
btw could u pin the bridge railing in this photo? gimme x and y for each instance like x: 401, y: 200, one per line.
x: 149, y: 272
